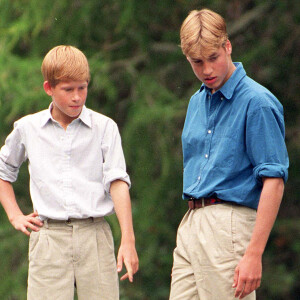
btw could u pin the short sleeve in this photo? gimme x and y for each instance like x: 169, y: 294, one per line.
x: 265, y: 143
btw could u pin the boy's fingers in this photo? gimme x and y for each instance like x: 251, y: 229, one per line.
x: 32, y: 218
x: 239, y: 289
x: 34, y: 214
x: 235, y: 278
x: 249, y: 288
x: 36, y: 222
x: 24, y: 230
x: 125, y: 276
x: 33, y: 223
x: 129, y: 271
x: 33, y: 227
x: 246, y: 290
x: 119, y: 264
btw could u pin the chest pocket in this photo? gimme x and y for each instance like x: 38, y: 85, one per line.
x: 225, y: 151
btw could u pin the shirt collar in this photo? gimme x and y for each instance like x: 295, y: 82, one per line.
x: 84, y: 116
x: 46, y: 116
x: 228, y: 88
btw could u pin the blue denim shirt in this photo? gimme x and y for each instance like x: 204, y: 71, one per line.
x: 231, y: 139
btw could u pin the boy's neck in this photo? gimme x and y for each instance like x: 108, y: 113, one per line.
x: 64, y: 121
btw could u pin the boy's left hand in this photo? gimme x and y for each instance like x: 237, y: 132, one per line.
x: 247, y: 277
x: 128, y: 255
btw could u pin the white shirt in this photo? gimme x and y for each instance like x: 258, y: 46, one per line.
x: 70, y: 170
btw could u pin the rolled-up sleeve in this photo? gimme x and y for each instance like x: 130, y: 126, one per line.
x: 265, y: 143
x: 114, y: 166
x: 12, y: 155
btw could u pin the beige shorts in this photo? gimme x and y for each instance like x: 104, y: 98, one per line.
x: 210, y: 243
x: 76, y: 253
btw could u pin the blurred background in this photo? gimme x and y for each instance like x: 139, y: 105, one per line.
x: 141, y: 79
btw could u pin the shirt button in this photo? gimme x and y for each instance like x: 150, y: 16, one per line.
x: 209, y: 131
x: 206, y: 155
x: 222, y: 98
x: 199, y: 178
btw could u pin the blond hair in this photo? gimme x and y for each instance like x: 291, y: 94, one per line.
x: 65, y: 63
x: 202, y: 32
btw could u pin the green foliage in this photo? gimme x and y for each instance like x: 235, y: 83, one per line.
x: 21, y: 89
x: 141, y: 79
x: 14, y: 266
x: 282, y: 261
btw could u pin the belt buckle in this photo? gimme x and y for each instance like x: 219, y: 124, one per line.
x: 203, y: 202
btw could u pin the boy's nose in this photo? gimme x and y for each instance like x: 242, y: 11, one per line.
x: 76, y: 96
x: 207, y: 69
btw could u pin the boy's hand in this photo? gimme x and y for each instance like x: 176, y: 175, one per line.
x: 22, y: 222
x: 128, y: 255
x: 247, y: 277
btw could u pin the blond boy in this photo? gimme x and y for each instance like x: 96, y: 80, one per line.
x: 235, y: 166
x: 77, y: 177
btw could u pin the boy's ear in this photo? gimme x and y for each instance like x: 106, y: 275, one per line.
x: 228, y: 47
x: 47, y: 88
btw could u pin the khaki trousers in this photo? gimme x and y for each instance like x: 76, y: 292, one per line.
x: 78, y: 253
x: 210, y: 243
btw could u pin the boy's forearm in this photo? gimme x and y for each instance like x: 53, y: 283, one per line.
x: 13, y: 211
x: 120, y: 195
x: 127, y: 253
x: 267, y: 211
x: 8, y: 200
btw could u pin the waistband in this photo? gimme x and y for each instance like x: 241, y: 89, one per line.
x: 202, y: 202
x: 71, y: 221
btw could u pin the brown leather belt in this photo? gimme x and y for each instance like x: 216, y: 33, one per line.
x: 202, y: 202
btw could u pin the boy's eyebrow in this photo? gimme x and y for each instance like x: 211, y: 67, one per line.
x: 67, y: 86
x: 213, y: 54
x: 195, y: 59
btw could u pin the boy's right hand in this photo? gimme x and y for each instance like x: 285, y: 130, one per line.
x: 22, y: 223
x: 127, y: 254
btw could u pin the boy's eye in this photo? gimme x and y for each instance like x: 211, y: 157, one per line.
x: 66, y: 88
x: 213, y: 58
x: 197, y: 61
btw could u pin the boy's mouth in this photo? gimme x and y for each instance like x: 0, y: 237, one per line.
x: 210, y: 80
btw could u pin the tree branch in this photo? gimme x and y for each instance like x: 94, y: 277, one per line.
x: 248, y: 18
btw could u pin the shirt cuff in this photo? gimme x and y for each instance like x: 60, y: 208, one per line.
x: 115, y: 175
x: 270, y: 170
x: 7, y: 172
